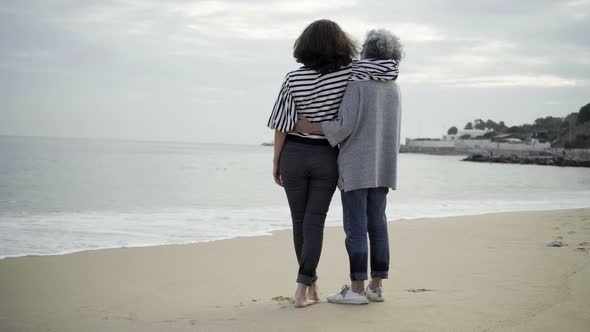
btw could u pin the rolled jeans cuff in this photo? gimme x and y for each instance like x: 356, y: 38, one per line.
x: 380, y: 274
x: 358, y: 276
x: 306, y: 280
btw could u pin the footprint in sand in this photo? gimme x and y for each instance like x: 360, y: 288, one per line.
x: 419, y: 290
x: 583, y: 243
x: 283, y: 300
x: 582, y: 249
x: 571, y: 232
x: 556, y: 228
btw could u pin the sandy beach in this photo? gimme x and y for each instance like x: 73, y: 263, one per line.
x: 475, y: 273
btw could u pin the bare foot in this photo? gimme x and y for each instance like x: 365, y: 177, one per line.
x: 313, y: 293
x: 304, y: 303
x: 301, y: 300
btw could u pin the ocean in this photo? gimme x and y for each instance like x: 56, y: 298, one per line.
x: 62, y: 195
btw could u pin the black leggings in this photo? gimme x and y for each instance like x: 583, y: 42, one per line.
x: 310, y: 175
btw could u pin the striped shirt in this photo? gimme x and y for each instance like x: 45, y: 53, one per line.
x: 317, y: 97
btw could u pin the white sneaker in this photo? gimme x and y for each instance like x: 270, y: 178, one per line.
x: 347, y: 296
x: 375, y: 295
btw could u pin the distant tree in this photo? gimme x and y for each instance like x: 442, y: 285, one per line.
x: 466, y: 136
x: 550, y: 125
x: 479, y: 124
x: 568, y: 130
x: 501, y: 127
x: 547, y: 123
x: 571, y: 118
x: 469, y: 126
x: 452, y: 131
x: 584, y: 115
x: 491, y: 124
x: 514, y: 129
x: 526, y: 128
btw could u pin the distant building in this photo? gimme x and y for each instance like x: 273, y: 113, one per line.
x: 473, y: 133
x: 460, y: 143
x: 507, y: 138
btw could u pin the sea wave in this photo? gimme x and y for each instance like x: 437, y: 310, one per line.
x: 24, y: 234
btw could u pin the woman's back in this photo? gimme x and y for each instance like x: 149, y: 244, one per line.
x: 317, y: 96
x: 368, y: 157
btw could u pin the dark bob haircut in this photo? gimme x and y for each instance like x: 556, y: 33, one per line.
x: 324, y: 47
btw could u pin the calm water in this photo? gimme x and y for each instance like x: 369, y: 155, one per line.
x: 66, y: 195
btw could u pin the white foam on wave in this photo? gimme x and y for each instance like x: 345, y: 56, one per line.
x: 63, y: 233
x: 59, y: 233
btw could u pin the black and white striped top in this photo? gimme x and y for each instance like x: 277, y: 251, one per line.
x: 317, y: 97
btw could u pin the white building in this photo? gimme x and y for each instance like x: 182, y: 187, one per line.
x: 454, y: 143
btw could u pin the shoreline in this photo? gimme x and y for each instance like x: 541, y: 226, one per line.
x: 482, y: 272
x: 271, y: 232
x: 529, y: 160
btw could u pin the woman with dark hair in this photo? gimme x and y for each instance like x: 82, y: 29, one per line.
x: 306, y: 164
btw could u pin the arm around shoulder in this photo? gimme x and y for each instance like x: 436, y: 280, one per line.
x: 337, y: 130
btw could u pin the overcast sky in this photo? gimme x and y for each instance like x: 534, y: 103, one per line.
x: 209, y: 71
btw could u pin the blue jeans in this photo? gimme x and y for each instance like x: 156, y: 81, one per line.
x: 364, y: 212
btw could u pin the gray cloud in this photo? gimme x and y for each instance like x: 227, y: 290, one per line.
x: 210, y: 70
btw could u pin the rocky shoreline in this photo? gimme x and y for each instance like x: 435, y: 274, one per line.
x: 540, y: 160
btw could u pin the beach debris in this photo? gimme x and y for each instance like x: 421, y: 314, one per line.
x: 556, y: 244
x: 419, y: 290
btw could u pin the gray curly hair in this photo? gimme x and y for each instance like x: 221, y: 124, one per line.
x: 382, y: 44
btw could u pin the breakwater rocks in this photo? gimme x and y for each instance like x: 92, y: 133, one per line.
x: 513, y: 159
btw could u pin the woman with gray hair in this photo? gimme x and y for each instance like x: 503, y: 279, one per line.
x: 382, y: 44
x: 367, y: 132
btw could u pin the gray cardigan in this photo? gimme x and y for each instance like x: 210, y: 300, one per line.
x: 368, y: 132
